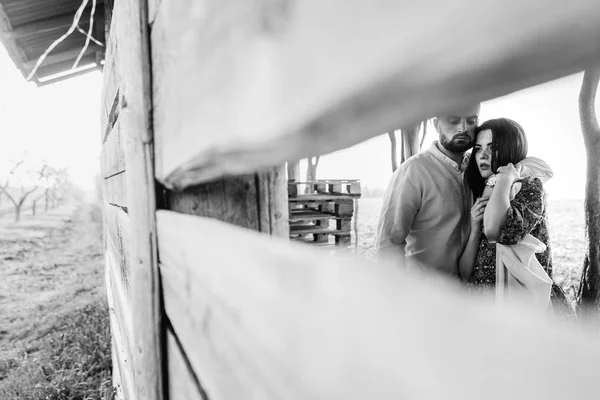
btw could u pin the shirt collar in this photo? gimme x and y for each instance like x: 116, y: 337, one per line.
x: 447, y: 160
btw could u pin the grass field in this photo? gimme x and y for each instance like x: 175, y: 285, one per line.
x: 54, y: 329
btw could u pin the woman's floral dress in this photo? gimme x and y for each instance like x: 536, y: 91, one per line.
x: 527, y: 214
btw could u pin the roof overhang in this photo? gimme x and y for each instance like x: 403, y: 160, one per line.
x: 28, y: 28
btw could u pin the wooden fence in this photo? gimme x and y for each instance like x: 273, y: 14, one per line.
x: 202, y: 104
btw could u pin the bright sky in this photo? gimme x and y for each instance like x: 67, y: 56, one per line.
x: 548, y: 113
x: 60, y: 123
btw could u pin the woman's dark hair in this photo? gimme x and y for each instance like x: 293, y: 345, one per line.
x: 509, y: 145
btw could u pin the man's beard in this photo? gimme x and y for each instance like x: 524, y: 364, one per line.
x: 451, y: 145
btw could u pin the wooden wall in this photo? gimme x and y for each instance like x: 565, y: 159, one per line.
x: 204, y: 101
x: 130, y: 203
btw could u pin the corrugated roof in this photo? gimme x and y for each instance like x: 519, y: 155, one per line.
x: 29, y: 27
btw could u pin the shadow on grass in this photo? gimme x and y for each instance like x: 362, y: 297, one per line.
x: 73, y: 361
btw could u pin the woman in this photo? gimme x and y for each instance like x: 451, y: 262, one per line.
x: 506, y: 208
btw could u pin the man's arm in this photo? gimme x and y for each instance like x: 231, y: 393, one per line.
x: 401, y: 204
x: 536, y: 168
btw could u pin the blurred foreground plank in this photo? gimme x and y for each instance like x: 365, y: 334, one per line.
x: 243, y: 85
x: 259, y: 317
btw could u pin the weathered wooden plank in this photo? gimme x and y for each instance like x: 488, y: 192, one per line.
x: 257, y: 201
x: 231, y: 199
x: 113, y: 155
x: 321, y: 197
x: 115, y: 191
x: 183, y: 384
x: 120, y: 337
x: 121, y: 290
x: 116, y: 375
x: 110, y: 88
x: 130, y: 23
x: 310, y: 215
x: 273, y: 202
x: 274, y: 81
x: 261, y: 318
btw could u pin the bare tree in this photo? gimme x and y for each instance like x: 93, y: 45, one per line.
x: 18, y: 196
x: 588, y: 298
x: 409, y: 144
x: 410, y: 141
x: 311, y: 171
x: 58, y: 189
x: 6, y: 180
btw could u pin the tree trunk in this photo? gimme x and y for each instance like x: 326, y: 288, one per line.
x: 17, y: 213
x: 33, y: 207
x: 410, y: 141
x: 311, y: 171
x: 392, y: 135
x: 588, y: 298
x: 293, y: 170
x: 424, y: 134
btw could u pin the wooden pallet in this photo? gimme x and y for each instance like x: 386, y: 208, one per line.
x: 328, y: 200
x: 346, y: 187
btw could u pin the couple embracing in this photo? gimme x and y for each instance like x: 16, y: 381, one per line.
x: 445, y: 209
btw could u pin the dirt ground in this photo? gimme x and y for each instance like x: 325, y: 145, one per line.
x: 50, y: 265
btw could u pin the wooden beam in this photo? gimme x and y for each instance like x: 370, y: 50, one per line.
x: 5, y: 25
x: 68, y: 56
x: 60, y: 78
x: 15, y: 52
x: 64, y: 66
x: 130, y: 24
x: 60, y: 23
x: 259, y: 317
x: 288, y: 80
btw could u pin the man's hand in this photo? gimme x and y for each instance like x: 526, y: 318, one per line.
x: 509, y: 173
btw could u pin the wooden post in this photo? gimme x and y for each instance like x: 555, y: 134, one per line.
x: 136, y: 104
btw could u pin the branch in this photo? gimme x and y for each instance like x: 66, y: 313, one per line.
x: 11, y: 198
x: 24, y: 196
x: 17, y: 165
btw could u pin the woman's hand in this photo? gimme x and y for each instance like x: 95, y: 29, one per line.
x: 477, y: 213
x: 509, y: 173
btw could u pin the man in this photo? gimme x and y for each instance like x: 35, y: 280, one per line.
x: 424, y: 219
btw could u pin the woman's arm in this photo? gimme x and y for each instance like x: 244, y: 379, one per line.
x: 467, y: 259
x: 499, y: 203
